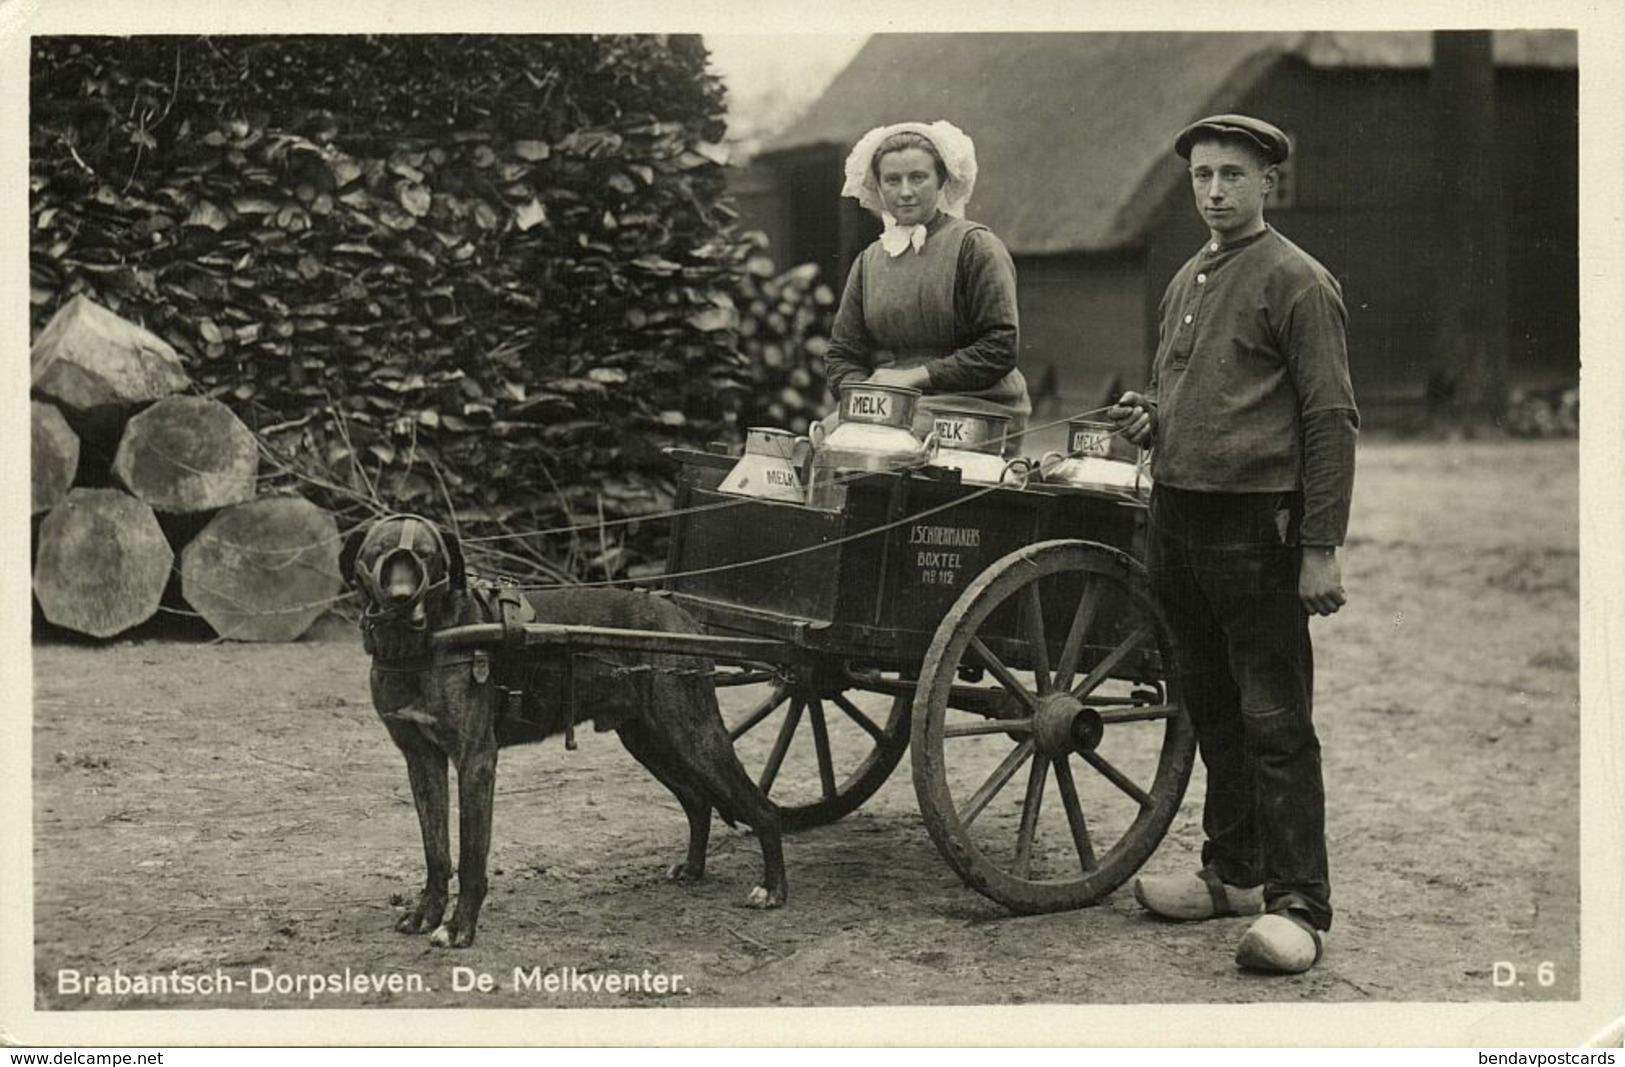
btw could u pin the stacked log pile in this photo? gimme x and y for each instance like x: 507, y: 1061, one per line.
x: 129, y: 474
x: 784, y: 333
x: 486, y: 278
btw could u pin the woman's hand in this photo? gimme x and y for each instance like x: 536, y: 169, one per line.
x: 912, y: 377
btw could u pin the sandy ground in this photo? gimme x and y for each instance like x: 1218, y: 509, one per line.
x: 219, y: 808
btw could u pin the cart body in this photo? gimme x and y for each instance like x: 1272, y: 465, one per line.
x: 872, y: 580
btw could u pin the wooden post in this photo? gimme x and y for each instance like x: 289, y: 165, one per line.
x: 1467, y: 387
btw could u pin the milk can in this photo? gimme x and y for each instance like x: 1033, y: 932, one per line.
x: 874, y: 434
x: 1087, y: 463
x: 973, y: 442
x: 772, y: 466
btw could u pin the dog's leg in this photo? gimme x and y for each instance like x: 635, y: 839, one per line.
x: 692, y: 869
x: 763, y: 818
x: 695, y: 805
x: 737, y: 795
x: 426, y: 770
x: 476, y: 789
x: 689, y: 733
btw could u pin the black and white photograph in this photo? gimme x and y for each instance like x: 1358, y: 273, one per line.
x: 1062, y: 528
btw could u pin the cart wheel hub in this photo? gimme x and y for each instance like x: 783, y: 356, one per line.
x: 1063, y: 725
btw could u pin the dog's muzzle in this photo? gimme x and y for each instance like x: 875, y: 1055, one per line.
x: 389, y: 602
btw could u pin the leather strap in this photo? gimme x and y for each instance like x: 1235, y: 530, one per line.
x: 1215, y: 890
x: 511, y: 613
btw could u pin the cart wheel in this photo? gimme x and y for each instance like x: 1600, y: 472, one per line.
x: 1074, y: 660
x: 818, y: 756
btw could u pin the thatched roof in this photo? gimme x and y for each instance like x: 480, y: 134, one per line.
x: 1071, y: 129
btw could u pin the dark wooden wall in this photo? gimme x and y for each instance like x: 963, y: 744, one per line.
x: 1362, y: 179
x: 1361, y: 183
x: 1083, y: 316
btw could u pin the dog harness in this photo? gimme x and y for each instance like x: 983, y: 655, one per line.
x: 516, y: 673
x: 507, y: 668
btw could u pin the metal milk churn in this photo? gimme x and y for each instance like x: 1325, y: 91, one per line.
x: 874, y: 434
x: 1087, y: 463
x: 973, y: 442
x: 771, y: 467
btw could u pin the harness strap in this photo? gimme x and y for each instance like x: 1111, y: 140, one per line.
x: 418, y: 665
x: 513, y: 611
x: 1215, y: 889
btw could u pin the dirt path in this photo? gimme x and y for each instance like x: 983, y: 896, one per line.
x: 227, y: 808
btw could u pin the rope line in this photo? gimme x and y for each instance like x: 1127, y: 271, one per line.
x: 849, y: 538
x: 723, y: 505
x: 874, y: 531
x: 651, y: 516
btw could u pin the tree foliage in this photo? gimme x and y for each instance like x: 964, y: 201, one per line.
x: 484, y: 275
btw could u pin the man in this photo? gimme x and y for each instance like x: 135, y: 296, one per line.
x: 1251, y: 413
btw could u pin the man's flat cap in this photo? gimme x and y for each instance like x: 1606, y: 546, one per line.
x: 1266, y: 138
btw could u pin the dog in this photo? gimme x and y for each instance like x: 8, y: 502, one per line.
x: 462, y: 705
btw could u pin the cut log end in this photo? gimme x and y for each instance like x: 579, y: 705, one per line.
x: 187, y: 454
x: 264, y: 570
x: 54, y: 456
x: 103, y: 563
x: 87, y: 358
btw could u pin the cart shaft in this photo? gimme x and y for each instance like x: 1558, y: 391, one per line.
x: 557, y: 636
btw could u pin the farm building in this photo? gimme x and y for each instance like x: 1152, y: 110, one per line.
x: 1078, y: 177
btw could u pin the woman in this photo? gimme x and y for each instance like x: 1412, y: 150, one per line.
x: 932, y: 303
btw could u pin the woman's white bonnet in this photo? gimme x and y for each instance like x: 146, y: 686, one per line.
x: 958, y: 157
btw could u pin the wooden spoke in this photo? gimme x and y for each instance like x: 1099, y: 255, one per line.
x: 826, y: 767
x: 996, y: 781
x: 856, y: 714
x: 1002, y: 673
x: 1082, y: 619
x: 991, y: 726
x: 1118, y: 778
x: 1074, y: 815
x: 781, y: 745
x: 1098, y: 637
x: 1113, y: 658
x: 760, y: 712
x: 1033, y: 609
x: 1139, y: 713
x: 988, y: 701
x: 1029, y: 816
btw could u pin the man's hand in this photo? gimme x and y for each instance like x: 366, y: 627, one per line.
x: 912, y: 377
x: 1135, y: 418
x: 1320, y: 581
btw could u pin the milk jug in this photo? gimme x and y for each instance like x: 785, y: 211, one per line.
x: 972, y: 442
x: 874, y: 434
x: 1087, y: 463
x: 771, y: 467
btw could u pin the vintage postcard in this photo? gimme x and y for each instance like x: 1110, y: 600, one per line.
x: 731, y: 417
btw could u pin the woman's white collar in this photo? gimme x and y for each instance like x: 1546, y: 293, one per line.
x: 897, y: 239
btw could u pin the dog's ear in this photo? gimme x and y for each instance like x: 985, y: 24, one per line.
x: 352, y: 549
x: 455, y: 571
